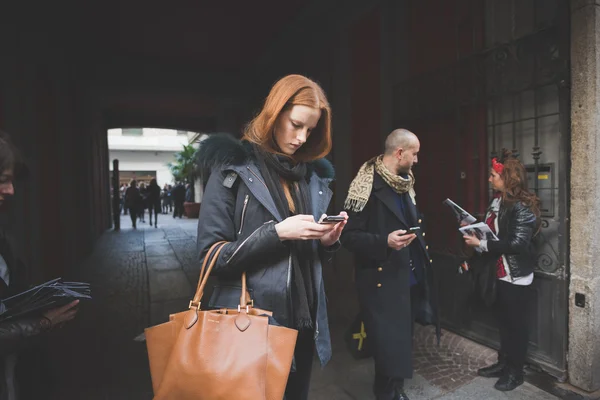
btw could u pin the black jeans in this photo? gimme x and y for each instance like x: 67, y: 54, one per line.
x: 512, y: 306
x: 299, y: 382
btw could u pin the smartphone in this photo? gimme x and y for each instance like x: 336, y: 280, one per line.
x: 414, y: 229
x: 331, y: 219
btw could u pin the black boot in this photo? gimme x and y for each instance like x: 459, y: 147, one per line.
x: 495, y: 370
x: 511, y: 379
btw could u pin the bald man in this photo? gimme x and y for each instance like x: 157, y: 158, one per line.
x: 393, y: 269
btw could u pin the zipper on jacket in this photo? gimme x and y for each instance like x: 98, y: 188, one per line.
x: 244, y: 213
x: 289, y: 289
x: 257, y: 177
x: 245, y: 240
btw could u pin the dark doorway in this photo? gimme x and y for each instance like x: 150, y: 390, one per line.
x: 497, y: 79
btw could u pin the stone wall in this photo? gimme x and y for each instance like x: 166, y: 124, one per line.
x: 584, y: 321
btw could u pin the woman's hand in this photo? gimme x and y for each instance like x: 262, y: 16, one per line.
x: 330, y: 238
x: 60, y: 315
x: 471, y: 240
x: 302, y: 227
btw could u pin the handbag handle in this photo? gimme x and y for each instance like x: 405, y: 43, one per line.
x: 211, y: 259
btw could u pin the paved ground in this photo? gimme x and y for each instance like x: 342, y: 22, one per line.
x: 140, y: 276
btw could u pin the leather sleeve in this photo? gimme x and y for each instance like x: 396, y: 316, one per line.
x: 366, y: 245
x: 520, y: 232
x: 216, y: 223
x: 14, y: 334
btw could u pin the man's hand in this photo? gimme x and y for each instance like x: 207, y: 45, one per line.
x: 400, y: 239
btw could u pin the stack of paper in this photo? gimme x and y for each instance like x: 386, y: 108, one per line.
x: 43, y: 297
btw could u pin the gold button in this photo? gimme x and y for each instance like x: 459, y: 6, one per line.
x: 427, y: 247
x: 379, y: 269
x: 430, y: 261
x: 423, y: 234
x: 420, y: 220
x: 379, y: 285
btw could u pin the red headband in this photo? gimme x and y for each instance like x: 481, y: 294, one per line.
x: 498, y: 167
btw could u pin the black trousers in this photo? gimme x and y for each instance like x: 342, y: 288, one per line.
x: 156, y: 211
x: 133, y: 215
x: 384, y: 387
x: 299, y: 381
x: 178, y: 209
x: 512, y: 309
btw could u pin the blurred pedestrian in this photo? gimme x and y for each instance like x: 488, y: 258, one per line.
x: 178, y: 196
x: 132, y: 201
x: 153, y: 201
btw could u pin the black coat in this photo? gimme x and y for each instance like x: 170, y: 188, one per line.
x: 383, y: 278
x: 238, y: 208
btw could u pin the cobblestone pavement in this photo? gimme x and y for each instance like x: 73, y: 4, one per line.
x: 140, y: 276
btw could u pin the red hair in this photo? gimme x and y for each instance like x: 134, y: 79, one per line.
x: 287, y: 92
x: 515, y: 182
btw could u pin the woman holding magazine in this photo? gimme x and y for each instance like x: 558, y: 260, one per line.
x: 513, y: 215
x: 16, y: 334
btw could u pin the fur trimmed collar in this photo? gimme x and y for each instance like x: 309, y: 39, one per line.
x: 223, y: 149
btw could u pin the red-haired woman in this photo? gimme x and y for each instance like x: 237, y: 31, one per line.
x: 263, y: 196
x: 513, y: 215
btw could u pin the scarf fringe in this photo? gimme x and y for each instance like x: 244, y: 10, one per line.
x: 355, y: 205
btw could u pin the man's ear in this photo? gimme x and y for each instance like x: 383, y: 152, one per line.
x: 399, y: 152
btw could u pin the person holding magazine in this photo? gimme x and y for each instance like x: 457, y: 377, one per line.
x: 513, y: 216
x: 17, y: 334
x: 264, y: 196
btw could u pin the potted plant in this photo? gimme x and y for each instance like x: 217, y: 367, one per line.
x: 184, y: 170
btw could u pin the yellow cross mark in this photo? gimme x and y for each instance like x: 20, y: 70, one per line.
x: 360, y: 336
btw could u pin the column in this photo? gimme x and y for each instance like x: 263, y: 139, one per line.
x: 584, y: 291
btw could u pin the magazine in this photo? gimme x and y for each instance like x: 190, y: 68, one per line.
x: 480, y: 230
x: 461, y: 215
x: 43, y: 297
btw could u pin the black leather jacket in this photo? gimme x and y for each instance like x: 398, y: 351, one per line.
x: 517, y: 225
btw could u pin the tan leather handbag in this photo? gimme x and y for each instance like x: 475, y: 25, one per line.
x: 220, y: 354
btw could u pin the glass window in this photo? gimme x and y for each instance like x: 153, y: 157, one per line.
x: 133, y: 131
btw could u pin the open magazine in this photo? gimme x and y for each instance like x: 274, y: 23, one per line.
x: 461, y: 215
x: 478, y: 229
x: 481, y: 230
x: 43, y: 297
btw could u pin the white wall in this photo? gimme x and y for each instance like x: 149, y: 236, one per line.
x: 145, y: 161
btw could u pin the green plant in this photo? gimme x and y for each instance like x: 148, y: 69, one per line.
x: 184, y: 166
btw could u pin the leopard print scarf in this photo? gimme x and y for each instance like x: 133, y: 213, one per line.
x: 361, y: 186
